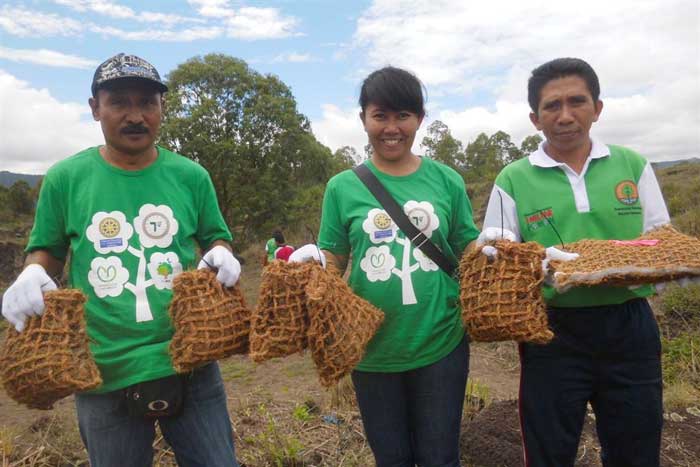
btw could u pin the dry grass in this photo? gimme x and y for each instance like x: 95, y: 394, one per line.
x: 51, y: 440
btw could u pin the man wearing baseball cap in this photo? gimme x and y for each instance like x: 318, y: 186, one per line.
x: 131, y: 213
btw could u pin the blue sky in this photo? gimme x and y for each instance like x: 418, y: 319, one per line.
x: 474, y: 58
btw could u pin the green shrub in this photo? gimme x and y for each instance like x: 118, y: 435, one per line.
x: 302, y: 413
x: 682, y: 303
x: 277, y: 447
x: 680, y: 359
x: 688, y: 222
x: 476, y: 397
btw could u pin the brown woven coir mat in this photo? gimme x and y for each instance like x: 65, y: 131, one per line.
x: 50, y: 359
x: 341, y: 325
x: 501, y: 297
x: 661, y: 255
x: 280, y: 320
x: 211, y: 321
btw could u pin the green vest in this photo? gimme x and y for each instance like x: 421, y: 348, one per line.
x: 546, y: 206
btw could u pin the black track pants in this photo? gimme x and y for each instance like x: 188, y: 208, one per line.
x: 608, y: 356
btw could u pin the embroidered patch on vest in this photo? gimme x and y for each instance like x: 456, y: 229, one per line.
x: 538, y: 219
x: 626, y: 192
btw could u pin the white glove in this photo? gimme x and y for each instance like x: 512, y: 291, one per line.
x: 490, y: 251
x: 25, y: 296
x: 555, y: 254
x: 490, y: 234
x: 221, y: 259
x: 495, y: 233
x: 309, y: 252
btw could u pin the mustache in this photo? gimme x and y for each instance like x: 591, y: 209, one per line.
x: 133, y: 129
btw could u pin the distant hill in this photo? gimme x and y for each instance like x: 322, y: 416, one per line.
x: 9, y: 178
x: 664, y: 164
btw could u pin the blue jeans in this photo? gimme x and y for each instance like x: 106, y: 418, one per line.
x: 201, y: 435
x: 414, y: 417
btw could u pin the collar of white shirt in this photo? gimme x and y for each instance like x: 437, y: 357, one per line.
x: 540, y: 158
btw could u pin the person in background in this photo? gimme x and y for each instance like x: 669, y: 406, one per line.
x: 131, y: 213
x: 606, y: 349
x: 410, y: 384
x: 272, y: 245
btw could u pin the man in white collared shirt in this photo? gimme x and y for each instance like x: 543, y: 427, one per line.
x: 606, y: 349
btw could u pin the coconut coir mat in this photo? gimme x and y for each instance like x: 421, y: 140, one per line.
x: 50, y: 359
x: 661, y: 255
x: 501, y: 297
x: 340, y: 325
x: 211, y: 321
x: 280, y: 320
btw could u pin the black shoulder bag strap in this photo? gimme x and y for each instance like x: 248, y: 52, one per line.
x: 397, y: 214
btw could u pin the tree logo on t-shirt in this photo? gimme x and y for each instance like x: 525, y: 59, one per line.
x: 626, y: 192
x: 378, y: 262
x: 110, y: 233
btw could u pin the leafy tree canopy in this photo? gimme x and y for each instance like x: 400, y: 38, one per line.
x: 244, y: 128
x: 19, y: 198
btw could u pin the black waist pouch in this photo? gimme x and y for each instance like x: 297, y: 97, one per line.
x: 161, y: 397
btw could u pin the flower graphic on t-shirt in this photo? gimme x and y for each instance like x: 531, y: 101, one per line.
x: 107, y: 276
x: 378, y: 263
x: 155, y: 225
x: 163, y: 268
x: 109, y: 232
x: 379, y: 226
x: 423, y: 216
x: 426, y: 264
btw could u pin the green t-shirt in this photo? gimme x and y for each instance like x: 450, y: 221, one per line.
x: 421, y: 303
x: 615, y: 197
x: 130, y: 233
x: 270, y: 248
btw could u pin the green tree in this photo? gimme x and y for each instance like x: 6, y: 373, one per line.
x: 505, y: 151
x: 481, y: 158
x: 347, y: 156
x: 5, y: 213
x: 530, y: 144
x: 487, y: 155
x: 19, y: 198
x: 244, y: 128
x: 443, y: 147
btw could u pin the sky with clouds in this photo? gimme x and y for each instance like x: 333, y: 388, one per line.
x: 473, y: 57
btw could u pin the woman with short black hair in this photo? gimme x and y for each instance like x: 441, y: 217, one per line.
x: 410, y: 384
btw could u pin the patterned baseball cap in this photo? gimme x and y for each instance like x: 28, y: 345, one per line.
x: 125, y: 66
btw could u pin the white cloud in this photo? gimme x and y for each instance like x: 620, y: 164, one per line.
x: 186, y: 35
x: 212, y: 8
x: 338, y: 127
x: 37, y: 130
x: 511, y: 117
x: 46, y: 57
x: 645, y: 53
x: 293, y: 57
x: 248, y: 23
x: 103, y: 7
x: 251, y: 23
x: 25, y: 23
x: 117, y: 11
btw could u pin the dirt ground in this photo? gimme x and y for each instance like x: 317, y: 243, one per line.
x: 283, y: 417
